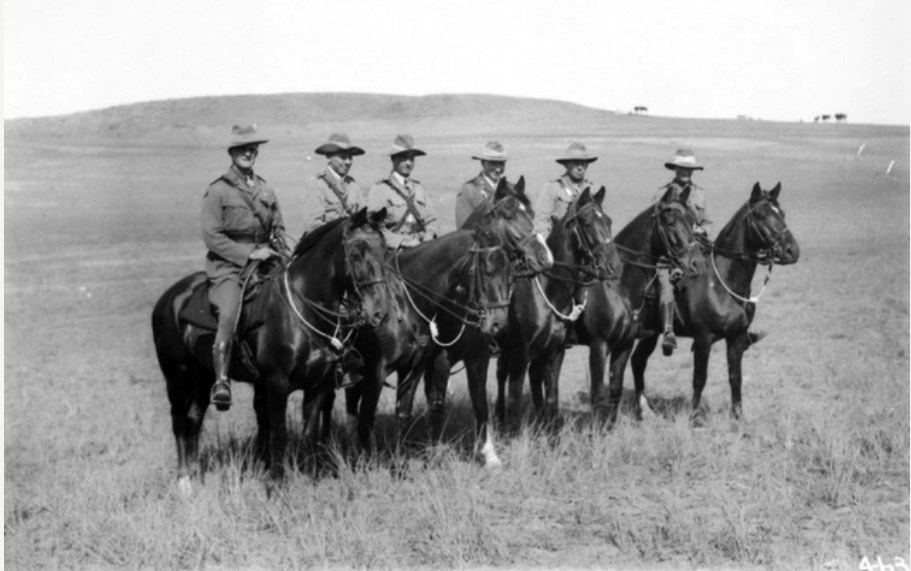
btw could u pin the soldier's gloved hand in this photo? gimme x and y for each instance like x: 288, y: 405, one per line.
x: 676, y: 274
x: 409, y: 242
x: 700, y: 231
x: 263, y: 254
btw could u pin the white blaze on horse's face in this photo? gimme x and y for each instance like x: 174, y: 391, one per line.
x: 549, y: 256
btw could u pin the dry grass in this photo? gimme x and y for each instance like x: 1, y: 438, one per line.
x: 817, y: 475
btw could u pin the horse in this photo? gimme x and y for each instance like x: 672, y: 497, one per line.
x: 718, y: 304
x: 663, y: 231
x: 502, y: 225
x: 297, y: 345
x: 544, y: 307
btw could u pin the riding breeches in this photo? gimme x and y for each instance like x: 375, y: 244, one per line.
x: 224, y: 294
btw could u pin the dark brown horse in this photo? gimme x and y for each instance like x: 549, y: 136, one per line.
x: 545, y: 306
x: 503, y: 228
x: 296, y: 346
x: 663, y: 231
x: 506, y: 218
x: 718, y: 304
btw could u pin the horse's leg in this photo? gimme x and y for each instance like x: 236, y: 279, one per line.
x: 277, y: 390
x: 639, y: 361
x: 536, y: 372
x: 597, y: 362
x: 517, y: 365
x: 261, y: 446
x: 502, y: 377
x: 326, y: 416
x: 366, y: 413
x: 552, y: 388
x: 189, y: 395
x: 405, y: 390
x: 476, y: 371
x: 702, y: 346
x: 313, y: 407
x: 436, y: 381
x: 619, y: 356
x: 735, y: 348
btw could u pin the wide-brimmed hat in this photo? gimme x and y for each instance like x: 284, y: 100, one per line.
x: 404, y: 144
x: 684, y: 158
x: 576, y: 152
x: 245, y: 135
x: 338, y: 143
x: 492, y: 151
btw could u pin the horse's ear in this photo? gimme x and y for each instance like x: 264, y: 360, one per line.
x: 359, y: 217
x: 586, y: 196
x: 376, y: 218
x: 775, y: 192
x: 668, y: 195
x: 519, y: 187
x: 599, y: 197
x: 757, y: 193
x: 554, y: 220
x: 502, y: 190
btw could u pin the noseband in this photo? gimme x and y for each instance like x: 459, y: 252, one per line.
x: 774, y: 242
x: 596, y: 267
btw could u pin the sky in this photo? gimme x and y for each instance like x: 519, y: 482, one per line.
x: 769, y: 59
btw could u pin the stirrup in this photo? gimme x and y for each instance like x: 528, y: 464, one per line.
x: 669, y: 344
x: 220, y: 395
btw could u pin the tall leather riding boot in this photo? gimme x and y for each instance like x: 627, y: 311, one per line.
x: 221, y: 390
x: 670, y: 340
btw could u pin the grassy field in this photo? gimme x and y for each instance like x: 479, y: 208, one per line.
x: 101, y: 215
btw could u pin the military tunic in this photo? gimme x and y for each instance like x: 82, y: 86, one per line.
x: 472, y: 194
x: 231, y: 232
x: 400, y: 223
x: 554, y: 199
x: 695, y: 202
x: 330, y: 197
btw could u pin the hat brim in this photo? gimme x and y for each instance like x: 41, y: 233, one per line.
x: 234, y: 144
x: 672, y: 166
x: 415, y: 152
x: 492, y: 159
x: 332, y: 148
x: 581, y: 159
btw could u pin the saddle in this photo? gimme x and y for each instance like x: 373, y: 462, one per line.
x: 201, y: 314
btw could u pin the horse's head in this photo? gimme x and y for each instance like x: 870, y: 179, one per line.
x: 484, y: 286
x: 674, y: 237
x: 588, y: 229
x: 364, y: 249
x: 768, y: 234
x: 508, y: 220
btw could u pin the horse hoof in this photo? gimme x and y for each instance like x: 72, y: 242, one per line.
x: 493, y: 463
x: 184, y: 486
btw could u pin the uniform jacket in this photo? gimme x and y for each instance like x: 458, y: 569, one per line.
x: 322, y: 204
x: 696, y: 201
x: 230, y: 230
x: 381, y: 195
x: 554, y: 199
x: 472, y: 194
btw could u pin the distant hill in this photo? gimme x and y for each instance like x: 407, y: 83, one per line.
x: 202, y: 118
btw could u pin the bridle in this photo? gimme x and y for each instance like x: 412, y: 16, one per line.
x: 672, y: 253
x: 515, y: 246
x: 594, y: 267
x: 474, y: 311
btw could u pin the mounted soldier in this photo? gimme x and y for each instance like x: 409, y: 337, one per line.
x: 683, y: 164
x: 482, y: 187
x: 410, y: 219
x: 333, y: 193
x: 241, y: 224
x: 556, y: 196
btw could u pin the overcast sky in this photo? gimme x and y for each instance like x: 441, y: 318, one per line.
x: 770, y: 59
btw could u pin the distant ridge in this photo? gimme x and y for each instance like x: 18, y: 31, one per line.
x: 200, y: 117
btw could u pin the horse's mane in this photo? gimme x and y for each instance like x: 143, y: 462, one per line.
x: 310, y: 239
x: 633, y: 224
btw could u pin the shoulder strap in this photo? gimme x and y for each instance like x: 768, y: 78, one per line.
x: 409, y: 204
x: 249, y: 202
x: 338, y: 193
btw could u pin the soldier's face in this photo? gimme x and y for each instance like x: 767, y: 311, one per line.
x: 576, y: 169
x: 684, y: 175
x: 493, y: 169
x: 403, y: 163
x: 244, y: 157
x: 341, y: 162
